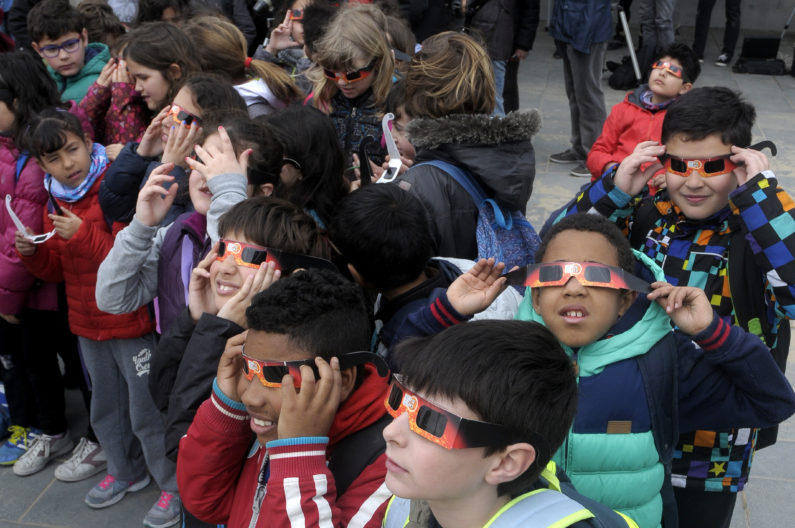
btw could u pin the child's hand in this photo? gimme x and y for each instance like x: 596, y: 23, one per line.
x: 753, y: 162
x: 476, y: 289
x: 67, y: 225
x: 235, y: 308
x: 112, y: 151
x: 154, y: 200
x: 281, y: 37
x: 200, y: 293
x: 121, y: 74
x: 687, y: 307
x: 658, y: 180
x: 407, y: 163
x: 180, y: 144
x: 215, y: 161
x: 106, y: 74
x: 10, y: 319
x: 357, y: 173
x: 310, y: 411
x: 25, y: 247
x: 629, y: 177
x: 230, y: 366
x: 151, y: 145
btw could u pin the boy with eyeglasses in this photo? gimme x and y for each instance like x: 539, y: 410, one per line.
x: 722, y: 225
x: 640, y: 115
x: 58, y: 34
x: 291, y: 435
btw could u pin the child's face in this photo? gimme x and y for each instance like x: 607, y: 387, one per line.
x: 151, y: 84
x: 399, y: 125
x: 699, y: 197
x: 184, y: 100
x: 420, y: 469
x: 579, y: 315
x: 297, y: 26
x: 70, y: 164
x: 226, y: 276
x: 264, y: 404
x: 200, y: 194
x: 354, y: 89
x: 664, y: 85
x: 66, y: 54
x: 7, y: 118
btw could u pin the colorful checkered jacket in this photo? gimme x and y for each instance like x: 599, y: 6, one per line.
x: 695, y: 253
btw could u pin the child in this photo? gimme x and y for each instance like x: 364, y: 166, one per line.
x: 149, y: 259
x: 59, y: 36
x: 519, y: 398
x: 639, y: 117
x: 283, y: 478
x: 284, y: 46
x: 116, y: 349
x: 708, y: 212
x: 384, y: 238
x: 357, y: 68
x: 102, y: 24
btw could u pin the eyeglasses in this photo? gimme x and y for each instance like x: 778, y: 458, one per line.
x: 52, y: 51
x: 179, y: 115
x: 586, y: 273
x: 291, y: 162
x: 439, y: 426
x: 705, y: 167
x: 296, y: 14
x: 271, y: 373
x: 252, y: 256
x: 673, y: 69
x: 351, y: 76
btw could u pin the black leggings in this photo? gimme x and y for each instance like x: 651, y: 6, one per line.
x: 704, y: 509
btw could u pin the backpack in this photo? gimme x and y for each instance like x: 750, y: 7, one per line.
x: 623, y: 76
x: 747, y: 290
x: 507, y: 236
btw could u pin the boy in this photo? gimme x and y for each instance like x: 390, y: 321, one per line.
x: 521, y: 395
x: 731, y: 204
x: 302, y: 331
x: 383, y: 234
x: 640, y: 115
x: 59, y: 36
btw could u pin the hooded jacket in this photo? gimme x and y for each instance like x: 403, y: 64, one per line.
x: 223, y: 478
x: 498, y: 152
x: 75, y: 87
x: 641, y: 384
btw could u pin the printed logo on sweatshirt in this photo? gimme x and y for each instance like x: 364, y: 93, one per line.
x: 141, y: 361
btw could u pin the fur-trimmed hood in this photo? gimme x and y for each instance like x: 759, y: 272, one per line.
x: 479, y: 129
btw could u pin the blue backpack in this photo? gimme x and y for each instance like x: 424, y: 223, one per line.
x: 507, y: 236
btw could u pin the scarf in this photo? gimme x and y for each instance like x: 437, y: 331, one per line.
x: 645, y: 100
x: 99, y: 162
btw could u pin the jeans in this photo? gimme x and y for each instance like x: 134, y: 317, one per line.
x: 499, y: 80
x: 657, y: 30
x: 582, y: 73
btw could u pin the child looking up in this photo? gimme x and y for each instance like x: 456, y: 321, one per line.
x: 58, y: 34
x: 116, y: 349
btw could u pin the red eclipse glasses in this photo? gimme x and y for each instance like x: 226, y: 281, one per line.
x: 705, y: 167
x: 442, y: 427
x: 252, y: 256
x: 271, y: 373
x: 351, y: 76
x: 178, y: 115
x: 673, y: 69
x: 586, y: 273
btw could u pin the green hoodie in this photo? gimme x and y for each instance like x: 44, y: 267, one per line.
x: 75, y: 87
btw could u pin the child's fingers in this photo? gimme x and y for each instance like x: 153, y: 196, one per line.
x: 161, y: 171
x: 243, y: 160
x: 208, y: 258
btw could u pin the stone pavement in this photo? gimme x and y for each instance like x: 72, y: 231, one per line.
x: 40, y: 500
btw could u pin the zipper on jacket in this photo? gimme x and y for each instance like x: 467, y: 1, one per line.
x: 259, y: 493
x: 567, y: 444
x: 349, y: 131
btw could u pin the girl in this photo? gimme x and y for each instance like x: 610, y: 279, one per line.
x: 285, y: 46
x: 264, y: 86
x: 354, y: 75
x: 169, y: 139
x: 116, y: 348
x: 32, y: 378
x: 312, y: 170
x: 149, y: 259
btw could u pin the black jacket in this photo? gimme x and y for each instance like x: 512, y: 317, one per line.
x: 506, y: 25
x: 497, y: 152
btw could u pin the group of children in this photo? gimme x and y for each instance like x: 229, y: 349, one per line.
x: 206, y: 219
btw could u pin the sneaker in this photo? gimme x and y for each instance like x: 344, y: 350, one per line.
x: 567, y: 156
x: 580, y: 171
x: 110, y: 491
x: 41, y: 451
x: 167, y: 511
x: 17, y: 444
x: 87, y: 460
x: 723, y: 60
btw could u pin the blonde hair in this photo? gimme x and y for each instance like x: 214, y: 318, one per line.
x: 356, y: 32
x: 452, y: 74
x: 221, y: 48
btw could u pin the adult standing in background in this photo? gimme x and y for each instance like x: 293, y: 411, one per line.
x: 656, y: 19
x: 730, y: 35
x: 581, y: 31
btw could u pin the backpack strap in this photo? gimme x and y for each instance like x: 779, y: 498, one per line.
x: 22, y: 160
x: 356, y: 452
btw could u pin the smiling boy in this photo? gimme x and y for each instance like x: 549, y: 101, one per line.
x: 721, y: 200
x: 58, y: 34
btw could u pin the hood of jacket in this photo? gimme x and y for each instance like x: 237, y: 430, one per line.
x: 258, y: 91
x: 497, y: 150
x: 363, y: 407
x: 644, y: 324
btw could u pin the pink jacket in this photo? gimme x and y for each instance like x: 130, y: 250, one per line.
x: 116, y: 112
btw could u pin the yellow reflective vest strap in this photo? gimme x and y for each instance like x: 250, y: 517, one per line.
x: 397, y: 513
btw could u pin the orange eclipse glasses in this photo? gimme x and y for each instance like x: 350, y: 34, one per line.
x: 586, y: 273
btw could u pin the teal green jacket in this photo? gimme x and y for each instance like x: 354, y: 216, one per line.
x: 75, y: 87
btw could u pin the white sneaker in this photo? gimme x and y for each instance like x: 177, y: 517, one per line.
x: 87, y: 459
x: 42, y: 450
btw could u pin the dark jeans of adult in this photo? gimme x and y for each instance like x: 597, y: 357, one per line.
x: 582, y: 73
x: 510, y: 92
x: 730, y: 34
x: 704, y: 509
